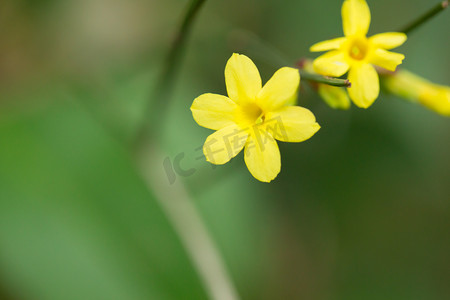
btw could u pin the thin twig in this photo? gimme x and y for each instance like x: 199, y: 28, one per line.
x: 324, y: 79
x: 425, y: 17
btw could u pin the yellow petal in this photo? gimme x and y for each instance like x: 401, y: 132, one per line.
x: 386, y: 59
x: 262, y: 157
x: 292, y: 100
x: 327, y: 45
x: 224, y: 144
x: 335, y: 97
x: 291, y: 124
x: 279, y: 89
x: 388, y: 40
x: 355, y: 17
x: 332, y: 63
x: 213, y: 111
x: 242, y: 78
x: 365, y: 85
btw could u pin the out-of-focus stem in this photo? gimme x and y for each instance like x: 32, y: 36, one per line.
x: 188, y: 224
x: 425, y: 17
x: 164, y: 85
x: 174, y: 56
x: 174, y: 200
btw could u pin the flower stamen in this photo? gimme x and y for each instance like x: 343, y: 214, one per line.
x: 358, y: 49
x: 249, y: 113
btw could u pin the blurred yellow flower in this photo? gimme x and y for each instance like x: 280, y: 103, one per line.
x: 253, y: 117
x: 417, y: 89
x: 335, y: 97
x: 357, y: 54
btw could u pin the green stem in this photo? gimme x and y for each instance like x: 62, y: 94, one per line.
x: 325, y: 79
x: 425, y: 17
x: 164, y: 86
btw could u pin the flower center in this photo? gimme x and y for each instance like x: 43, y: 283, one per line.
x: 358, y: 48
x: 250, y: 113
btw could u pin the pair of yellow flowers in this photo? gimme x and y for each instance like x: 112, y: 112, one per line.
x: 253, y: 116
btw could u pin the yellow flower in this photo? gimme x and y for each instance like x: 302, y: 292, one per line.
x: 252, y: 117
x: 417, y: 89
x: 357, y: 54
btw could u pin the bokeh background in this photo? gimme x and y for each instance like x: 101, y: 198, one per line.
x: 360, y: 211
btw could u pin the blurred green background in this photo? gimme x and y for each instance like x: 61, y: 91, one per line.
x: 360, y: 211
